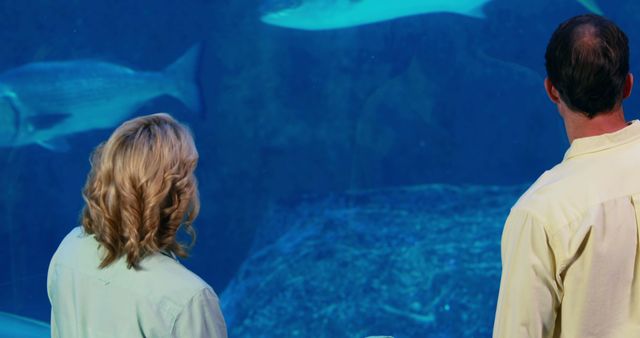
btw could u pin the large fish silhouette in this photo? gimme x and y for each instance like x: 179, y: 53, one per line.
x: 42, y: 103
x: 333, y: 14
x: 13, y: 326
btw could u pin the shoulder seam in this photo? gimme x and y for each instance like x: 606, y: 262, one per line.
x: 196, y: 293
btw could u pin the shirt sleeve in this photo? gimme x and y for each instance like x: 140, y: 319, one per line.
x: 50, y: 277
x: 201, y: 318
x: 54, y: 327
x: 529, y: 298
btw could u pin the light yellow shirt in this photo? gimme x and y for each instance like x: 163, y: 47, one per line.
x: 570, y: 252
x: 163, y: 299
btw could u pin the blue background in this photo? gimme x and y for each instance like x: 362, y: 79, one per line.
x: 430, y: 99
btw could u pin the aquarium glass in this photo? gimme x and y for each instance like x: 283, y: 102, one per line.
x: 355, y: 170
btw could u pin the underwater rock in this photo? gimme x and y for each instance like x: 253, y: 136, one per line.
x: 408, y: 262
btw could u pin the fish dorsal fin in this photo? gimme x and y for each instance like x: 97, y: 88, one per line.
x: 477, y: 12
x: 592, y: 6
x: 45, y: 121
x: 58, y: 144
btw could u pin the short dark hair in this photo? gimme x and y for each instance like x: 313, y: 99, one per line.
x: 587, y: 61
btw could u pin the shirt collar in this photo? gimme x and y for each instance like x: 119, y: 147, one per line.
x: 169, y: 254
x: 592, y: 144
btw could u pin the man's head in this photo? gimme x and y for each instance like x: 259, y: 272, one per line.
x: 587, y: 61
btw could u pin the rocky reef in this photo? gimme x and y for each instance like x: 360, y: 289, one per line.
x: 408, y: 262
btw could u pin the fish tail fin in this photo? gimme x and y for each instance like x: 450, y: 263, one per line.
x: 592, y: 6
x: 184, y: 74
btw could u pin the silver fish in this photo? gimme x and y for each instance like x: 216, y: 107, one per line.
x: 42, y: 103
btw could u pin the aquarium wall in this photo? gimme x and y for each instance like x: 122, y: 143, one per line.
x: 354, y: 180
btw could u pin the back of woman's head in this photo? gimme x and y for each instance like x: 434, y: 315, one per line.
x: 142, y: 189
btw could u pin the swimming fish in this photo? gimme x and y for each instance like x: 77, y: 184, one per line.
x: 334, y: 14
x: 12, y: 326
x: 43, y: 103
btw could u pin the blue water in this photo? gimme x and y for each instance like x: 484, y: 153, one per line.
x: 432, y: 99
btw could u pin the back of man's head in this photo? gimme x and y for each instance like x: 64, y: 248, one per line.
x: 587, y: 61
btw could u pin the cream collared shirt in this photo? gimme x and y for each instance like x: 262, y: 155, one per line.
x: 570, y: 248
x: 162, y: 300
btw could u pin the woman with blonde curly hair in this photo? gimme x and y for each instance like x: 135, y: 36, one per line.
x: 117, y: 275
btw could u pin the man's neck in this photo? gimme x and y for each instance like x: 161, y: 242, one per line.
x: 579, y: 126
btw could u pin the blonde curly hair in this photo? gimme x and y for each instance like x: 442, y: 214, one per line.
x: 141, y: 189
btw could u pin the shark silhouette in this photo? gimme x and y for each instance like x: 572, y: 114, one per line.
x: 334, y: 14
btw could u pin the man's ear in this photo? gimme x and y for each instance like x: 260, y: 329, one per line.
x: 628, y: 86
x: 552, y: 92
